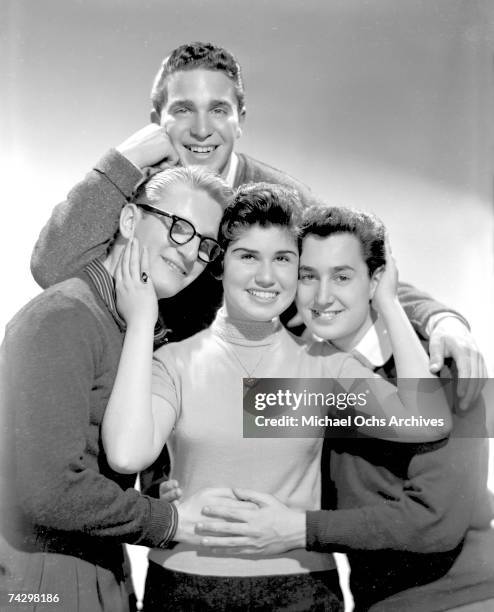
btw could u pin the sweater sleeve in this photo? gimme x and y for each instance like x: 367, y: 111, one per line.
x: 420, y: 306
x: 445, y: 494
x: 427, y: 420
x: 81, y: 228
x: 50, y: 380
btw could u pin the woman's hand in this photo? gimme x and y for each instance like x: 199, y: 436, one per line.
x: 387, y: 285
x: 136, y: 297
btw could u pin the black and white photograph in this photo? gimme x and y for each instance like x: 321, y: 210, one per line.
x: 216, y: 212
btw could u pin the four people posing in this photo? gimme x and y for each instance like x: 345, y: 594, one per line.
x: 70, y: 339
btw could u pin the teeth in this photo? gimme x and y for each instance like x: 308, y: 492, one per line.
x: 263, y: 295
x: 174, y: 267
x: 328, y: 315
x: 196, y: 149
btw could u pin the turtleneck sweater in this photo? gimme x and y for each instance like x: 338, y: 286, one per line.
x: 201, y: 378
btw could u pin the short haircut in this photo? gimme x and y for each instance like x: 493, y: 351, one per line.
x: 367, y: 228
x: 198, y: 55
x: 262, y: 204
x: 197, y: 177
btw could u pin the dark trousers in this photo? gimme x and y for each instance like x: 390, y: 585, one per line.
x: 168, y: 590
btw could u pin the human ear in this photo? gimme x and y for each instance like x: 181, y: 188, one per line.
x: 155, y: 117
x: 374, y: 281
x: 128, y: 221
x: 241, y: 120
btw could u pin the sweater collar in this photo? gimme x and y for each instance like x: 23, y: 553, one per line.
x: 375, y: 346
x: 105, y: 287
x: 243, y: 332
x: 104, y: 284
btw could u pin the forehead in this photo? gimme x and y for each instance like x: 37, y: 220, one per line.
x: 330, y: 251
x: 192, y: 204
x: 271, y: 238
x: 199, y: 86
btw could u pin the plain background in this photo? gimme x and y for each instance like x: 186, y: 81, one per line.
x: 378, y: 104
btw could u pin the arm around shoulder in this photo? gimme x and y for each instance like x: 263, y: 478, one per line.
x: 81, y: 228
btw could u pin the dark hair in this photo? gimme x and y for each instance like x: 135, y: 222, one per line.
x: 370, y: 231
x: 198, y: 55
x: 262, y: 204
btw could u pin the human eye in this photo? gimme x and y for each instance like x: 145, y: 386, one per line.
x: 181, y: 227
x: 247, y: 256
x: 342, y: 277
x: 306, y: 276
x: 181, y: 110
x: 219, y: 111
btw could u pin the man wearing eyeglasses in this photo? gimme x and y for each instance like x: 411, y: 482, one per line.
x: 65, y: 513
x: 198, y: 113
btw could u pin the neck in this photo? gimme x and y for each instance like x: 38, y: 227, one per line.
x: 244, y: 331
x: 350, y: 341
x: 113, y: 257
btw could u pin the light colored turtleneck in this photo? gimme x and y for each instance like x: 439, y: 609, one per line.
x: 243, y: 332
x: 202, y: 380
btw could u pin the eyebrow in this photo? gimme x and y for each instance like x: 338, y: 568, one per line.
x: 191, y: 103
x: 332, y: 268
x: 254, y: 251
x: 220, y: 102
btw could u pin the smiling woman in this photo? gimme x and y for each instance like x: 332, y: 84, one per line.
x: 195, y: 406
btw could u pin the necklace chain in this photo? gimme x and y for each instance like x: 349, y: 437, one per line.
x: 250, y: 373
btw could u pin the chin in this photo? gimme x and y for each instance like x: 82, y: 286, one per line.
x: 168, y: 291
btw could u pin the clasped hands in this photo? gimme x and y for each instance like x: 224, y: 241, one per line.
x: 236, y: 521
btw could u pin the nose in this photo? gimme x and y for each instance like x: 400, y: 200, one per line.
x: 264, y: 274
x: 324, y: 295
x: 201, y: 126
x: 189, y: 251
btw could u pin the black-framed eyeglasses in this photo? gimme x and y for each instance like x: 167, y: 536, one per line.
x: 181, y: 231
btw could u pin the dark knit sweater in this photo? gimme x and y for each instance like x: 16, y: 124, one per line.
x: 59, y: 359
x: 420, y: 503
x: 82, y: 228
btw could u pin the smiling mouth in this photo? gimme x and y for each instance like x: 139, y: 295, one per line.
x: 264, y: 296
x: 325, y: 315
x: 197, y: 150
x: 173, y: 266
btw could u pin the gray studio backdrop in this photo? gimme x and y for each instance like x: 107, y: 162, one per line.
x: 377, y: 104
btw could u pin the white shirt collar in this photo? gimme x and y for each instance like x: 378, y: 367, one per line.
x: 232, y: 170
x: 375, y: 346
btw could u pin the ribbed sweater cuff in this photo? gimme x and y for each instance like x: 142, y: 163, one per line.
x: 330, y: 531
x: 163, y: 522
x: 119, y: 171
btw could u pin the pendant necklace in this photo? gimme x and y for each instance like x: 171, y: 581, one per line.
x: 250, y: 381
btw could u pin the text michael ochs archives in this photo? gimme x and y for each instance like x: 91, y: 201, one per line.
x: 280, y: 407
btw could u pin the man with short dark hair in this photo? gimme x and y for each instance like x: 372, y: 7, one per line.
x: 198, y: 113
